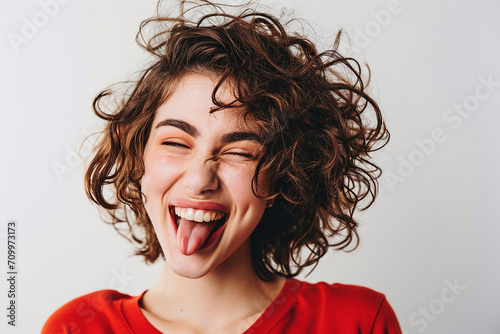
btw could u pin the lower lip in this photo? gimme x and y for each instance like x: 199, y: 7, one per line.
x: 209, y: 242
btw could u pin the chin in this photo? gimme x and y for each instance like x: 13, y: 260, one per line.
x: 187, y: 266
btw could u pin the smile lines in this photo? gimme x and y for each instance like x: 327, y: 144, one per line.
x: 198, y: 215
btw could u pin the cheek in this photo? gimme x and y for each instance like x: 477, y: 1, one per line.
x: 155, y: 178
x: 239, y: 183
x: 158, y: 178
x: 238, y: 179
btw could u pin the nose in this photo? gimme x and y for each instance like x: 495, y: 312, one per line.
x: 200, y: 176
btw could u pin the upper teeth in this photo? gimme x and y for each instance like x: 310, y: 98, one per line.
x: 198, y: 215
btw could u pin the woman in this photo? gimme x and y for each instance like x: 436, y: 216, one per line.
x: 239, y: 149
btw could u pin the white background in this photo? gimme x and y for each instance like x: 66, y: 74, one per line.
x: 435, y: 223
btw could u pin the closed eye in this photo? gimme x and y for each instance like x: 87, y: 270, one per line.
x: 243, y: 154
x: 246, y: 155
x: 174, y: 144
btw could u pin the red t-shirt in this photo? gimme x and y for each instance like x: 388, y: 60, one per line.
x: 300, y: 307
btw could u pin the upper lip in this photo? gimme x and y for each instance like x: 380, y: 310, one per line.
x: 199, y: 205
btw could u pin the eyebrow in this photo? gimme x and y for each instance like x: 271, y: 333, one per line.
x: 193, y: 131
x: 239, y: 136
x: 181, y: 125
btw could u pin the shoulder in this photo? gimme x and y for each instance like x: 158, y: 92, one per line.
x: 349, y: 296
x: 94, y: 311
x: 352, y: 306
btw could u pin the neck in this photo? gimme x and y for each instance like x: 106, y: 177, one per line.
x: 229, y: 293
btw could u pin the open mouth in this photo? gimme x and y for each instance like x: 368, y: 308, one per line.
x: 196, y: 229
x: 216, y: 218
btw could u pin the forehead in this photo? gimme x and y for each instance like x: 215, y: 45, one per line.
x: 191, y: 101
x: 198, y: 86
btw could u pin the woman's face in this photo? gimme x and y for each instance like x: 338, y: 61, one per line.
x: 198, y: 178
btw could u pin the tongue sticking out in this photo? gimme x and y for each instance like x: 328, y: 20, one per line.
x: 192, y: 235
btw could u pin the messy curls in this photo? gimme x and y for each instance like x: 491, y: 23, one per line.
x: 320, y: 127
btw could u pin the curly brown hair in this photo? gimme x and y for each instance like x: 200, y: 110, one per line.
x: 319, y: 123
